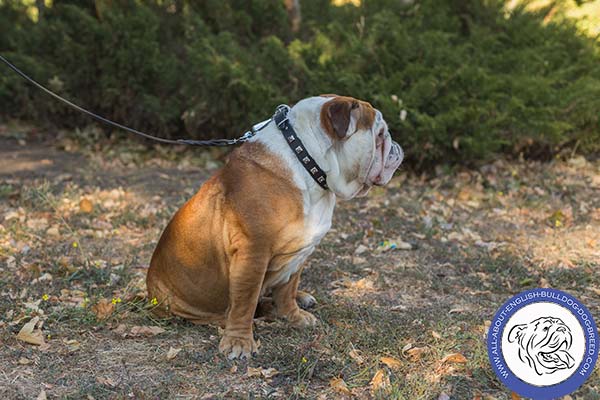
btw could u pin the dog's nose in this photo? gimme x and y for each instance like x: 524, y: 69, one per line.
x: 396, y: 153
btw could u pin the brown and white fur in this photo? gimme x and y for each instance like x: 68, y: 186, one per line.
x: 251, y: 226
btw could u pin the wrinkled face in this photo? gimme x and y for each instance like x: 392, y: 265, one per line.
x: 365, y: 152
x: 545, y: 344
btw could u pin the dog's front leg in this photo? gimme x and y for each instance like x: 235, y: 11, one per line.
x: 285, y: 296
x: 246, y: 275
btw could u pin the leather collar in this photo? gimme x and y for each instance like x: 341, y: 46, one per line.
x: 292, y: 139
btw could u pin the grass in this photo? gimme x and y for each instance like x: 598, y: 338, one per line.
x: 478, y: 237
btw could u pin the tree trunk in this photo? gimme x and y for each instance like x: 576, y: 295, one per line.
x: 293, y: 9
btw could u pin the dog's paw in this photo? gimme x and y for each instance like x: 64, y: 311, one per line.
x: 238, y: 347
x: 302, y: 319
x: 305, y: 300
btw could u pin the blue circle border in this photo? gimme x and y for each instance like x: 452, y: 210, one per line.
x: 494, y: 344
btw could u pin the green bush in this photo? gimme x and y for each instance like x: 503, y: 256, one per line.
x: 457, y: 80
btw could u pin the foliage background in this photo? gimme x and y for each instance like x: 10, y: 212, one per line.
x: 457, y: 80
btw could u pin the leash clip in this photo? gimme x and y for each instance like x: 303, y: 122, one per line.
x: 245, y: 136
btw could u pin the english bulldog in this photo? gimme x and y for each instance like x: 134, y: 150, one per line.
x: 544, y: 344
x: 250, y: 227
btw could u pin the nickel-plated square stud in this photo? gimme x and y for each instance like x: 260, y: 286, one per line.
x: 320, y: 179
x: 314, y: 170
x: 291, y: 138
x: 306, y: 160
x: 299, y: 149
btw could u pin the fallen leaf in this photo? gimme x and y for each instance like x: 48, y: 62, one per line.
x: 404, y: 245
x: 72, y: 345
x: 338, y: 385
x: 456, y: 236
x: 15, y: 215
x: 360, y: 249
x: 106, y: 381
x: 436, y: 335
x: 252, y: 372
x: 42, y: 395
x: 53, y: 231
x: 595, y: 290
x: 45, y: 277
x: 415, y: 353
x: 24, y: 361
x: 37, y: 224
x: 357, y: 356
x: 490, y: 246
x: 515, y: 396
x: 261, y: 372
x: 73, y: 297
x: 121, y: 330
x: 342, y: 325
x: 86, y: 206
x: 454, y: 358
x: 172, y: 353
x: 44, y: 347
x: 33, y: 306
x: 578, y: 161
x: 361, y: 284
x: 146, y: 330
x: 30, y: 334
x: 380, y: 381
x: 356, y: 260
x: 269, y: 372
x: 391, y: 362
x: 103, y: 309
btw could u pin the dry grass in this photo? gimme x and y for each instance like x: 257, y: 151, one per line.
x: 477, y: 237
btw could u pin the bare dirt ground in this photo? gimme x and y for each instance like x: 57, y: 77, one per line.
x: 79, y: 221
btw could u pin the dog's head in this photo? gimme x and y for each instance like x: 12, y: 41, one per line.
x: 544, y: 344
x: 354, y: 141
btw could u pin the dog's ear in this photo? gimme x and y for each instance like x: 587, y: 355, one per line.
x: 339, y: 116
x: 516, y: 332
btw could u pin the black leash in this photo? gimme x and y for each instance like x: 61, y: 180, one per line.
x: 191, y: 142
x: 280, y: 117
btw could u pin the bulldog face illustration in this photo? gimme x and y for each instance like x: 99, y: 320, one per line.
x: 544, y: 344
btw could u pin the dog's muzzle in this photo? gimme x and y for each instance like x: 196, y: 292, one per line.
x: 388, y: 163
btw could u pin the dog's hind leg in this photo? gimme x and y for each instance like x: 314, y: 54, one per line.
x: 305, y: 300
x: 285, y: 299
